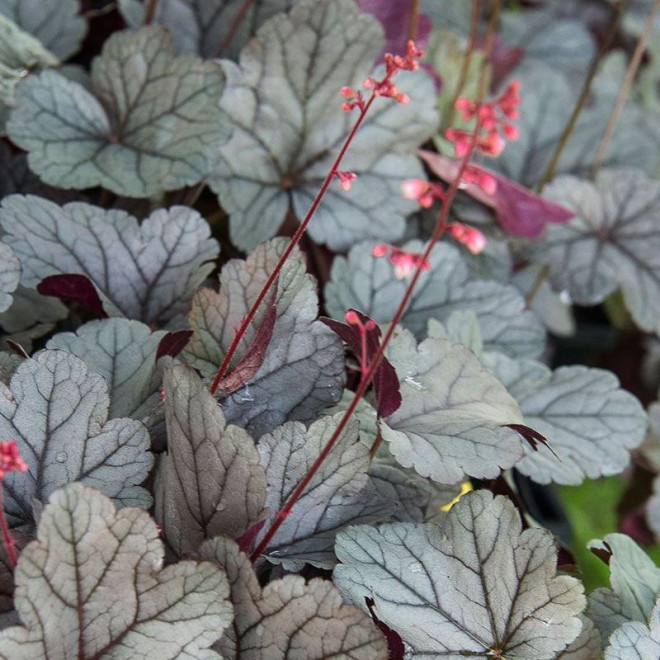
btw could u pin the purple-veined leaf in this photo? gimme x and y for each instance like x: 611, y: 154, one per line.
x: 289, y: 619
x: 479, y: 586
x: 146, y: 272
x: 211, y: 481
x: 93, y: 585
x: 57, y: 412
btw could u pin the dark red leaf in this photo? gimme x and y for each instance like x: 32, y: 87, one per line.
x: 519, y: 211
x: 255, y: 353
x: 604, y: 554
x: 17, y: 348
x: 385, y: 380
x: 395, y: 645
x: 246, y: 541
x: 76, y: 287
x: 532, y: 436
x: 173, y: 343
x: 634, y: 525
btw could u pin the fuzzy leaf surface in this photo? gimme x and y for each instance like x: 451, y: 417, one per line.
x: 124, y: 353
x: 203, y: 28
x: 146, y: 272
x: 93, y: 586
x: 451, y: 420
x: 150, y: 123
x: 10, y: 274
x: 635, y: 581
x: 286, y: 135
x: 590, y: 423
x: 636, y: 641
x: 289, y: 619
x: 340, y: 493
x: 303, y: 367
x: 367, y: 283
x: 58, y: 414
x: 613, y: 242
x: 475, y: 587
x: 57, y: 24
x: 211, y: 481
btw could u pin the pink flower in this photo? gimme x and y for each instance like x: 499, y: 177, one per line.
x: 345, y: 179
x: 472, y: 238
x: 10, y: 458
x: 424, y: 192
x: 404, y: 262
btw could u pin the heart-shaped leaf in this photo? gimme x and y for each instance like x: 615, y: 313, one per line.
x: 150, y: 123
x: 146, y: 272
x: 289, y: 619
x: 478, y: 587
x: 93, y: 586
x: 58, y: 414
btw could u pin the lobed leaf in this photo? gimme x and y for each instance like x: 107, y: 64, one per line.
x: 211, y: 481
x: 367, y: 283
x: 146, y: 272
x: 289, y: 619
x: 452, y: 420
x: 636, y: 641
x: 479, y: 586
x: 10, y: 273
x: 58, y: 414
x: 150, y: 122
x: 93, y: 586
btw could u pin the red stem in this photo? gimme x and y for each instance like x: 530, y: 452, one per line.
x: 231, y: 32
x: 249, y: 317
x: 365, y: 381
x: 6, y: 536
x: 150, y: 11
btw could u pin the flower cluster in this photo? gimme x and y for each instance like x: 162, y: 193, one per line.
x: 10, y: 458
x: 403, y: 262
x: 425, y: 192
x: 385, y: 87
x: 494, y: 127
x: 471, y: 237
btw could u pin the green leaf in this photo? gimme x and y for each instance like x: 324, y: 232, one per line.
x: 613, y: 242
x: 303, y: 367
x: 150, y: 123
x: 211, y: 481
x: 339, y: 494
x: 58, y: 414
x: 205, y: 28
x: 289, y: 619
x: 369, y: 284
x: 478, y: 587
x: 452, y: 420
x: 93, y: 586
x: 287, y: 135
x: 146, y: 272
x: 57, y: 24
x: 10, y: 273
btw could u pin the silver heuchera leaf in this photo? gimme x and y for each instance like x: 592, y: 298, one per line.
x: 368, y: 283
x: 150, y: 123
x: 57, y: 24
x: 613, y: 242
x: 653, y: 507
x: 286, y: 135
x: 591, y: 424
x: 124, y: 353
x: 303, y: 367
x: 339, y: 494
x: 586, y: 646
x: 93, y: 586
x: 146, y: 272
x: 289, y: 619
x: 635, y: 581
x: 58, y: 414
x: 211, y: 481
x: 452, y: 419
x: 636, y: 641
x: 479, y: 586
x: 207, y: 28
x: 10, y: 273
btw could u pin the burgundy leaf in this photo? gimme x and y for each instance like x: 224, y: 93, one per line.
x: 532, y: 436
x: 519, y: 211
x: 72, y: 286
x: 604, y: 554
x: 396, y: 15
x: 17, y: 348
x: 385, y: 380
x: 173, y: 343
x: 255, y: 353
x: 395, y: 645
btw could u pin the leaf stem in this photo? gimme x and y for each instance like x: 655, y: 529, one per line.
x: 233, y: 28
x: 150, y: 12
x: 9, y: 543
x: 628, y: 80
x: 584, y: 95
x: 413, y: 28
x: 249, y: 317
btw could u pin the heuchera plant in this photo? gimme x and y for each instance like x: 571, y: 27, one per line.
x: 284, y: 290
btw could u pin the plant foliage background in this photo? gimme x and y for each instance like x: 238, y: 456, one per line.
x: 156, y: 158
